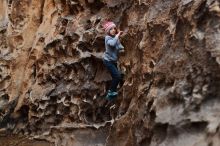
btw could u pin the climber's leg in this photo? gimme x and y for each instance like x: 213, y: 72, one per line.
x: 116, y: 76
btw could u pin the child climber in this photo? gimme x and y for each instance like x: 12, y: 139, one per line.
x: 110, y: 57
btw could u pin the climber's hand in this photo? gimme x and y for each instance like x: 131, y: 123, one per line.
x: 120, y: 32
x: 124, y: 33
x: 122, y: 51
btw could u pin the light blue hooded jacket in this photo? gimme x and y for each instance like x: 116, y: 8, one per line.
x: 112, y: 47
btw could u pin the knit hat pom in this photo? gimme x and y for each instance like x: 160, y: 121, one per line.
x: 108, y: 25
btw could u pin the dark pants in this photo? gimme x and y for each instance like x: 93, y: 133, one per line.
x: 115, y: 73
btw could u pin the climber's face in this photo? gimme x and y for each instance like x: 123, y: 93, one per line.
x: 113, y: 31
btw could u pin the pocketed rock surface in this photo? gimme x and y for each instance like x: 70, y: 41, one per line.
x: 53, y: 81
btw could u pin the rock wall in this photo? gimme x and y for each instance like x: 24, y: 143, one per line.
x: 52, y: 79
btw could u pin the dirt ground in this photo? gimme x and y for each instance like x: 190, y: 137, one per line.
x: 21, y: 141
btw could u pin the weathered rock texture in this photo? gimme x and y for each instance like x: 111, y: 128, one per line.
x: 52, y: 78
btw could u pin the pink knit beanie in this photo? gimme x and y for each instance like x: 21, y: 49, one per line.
x: 108, y: 25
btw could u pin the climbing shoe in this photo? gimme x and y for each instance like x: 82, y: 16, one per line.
x: 111, y: 95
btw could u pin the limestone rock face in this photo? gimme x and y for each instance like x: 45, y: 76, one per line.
x: 53, y: 81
